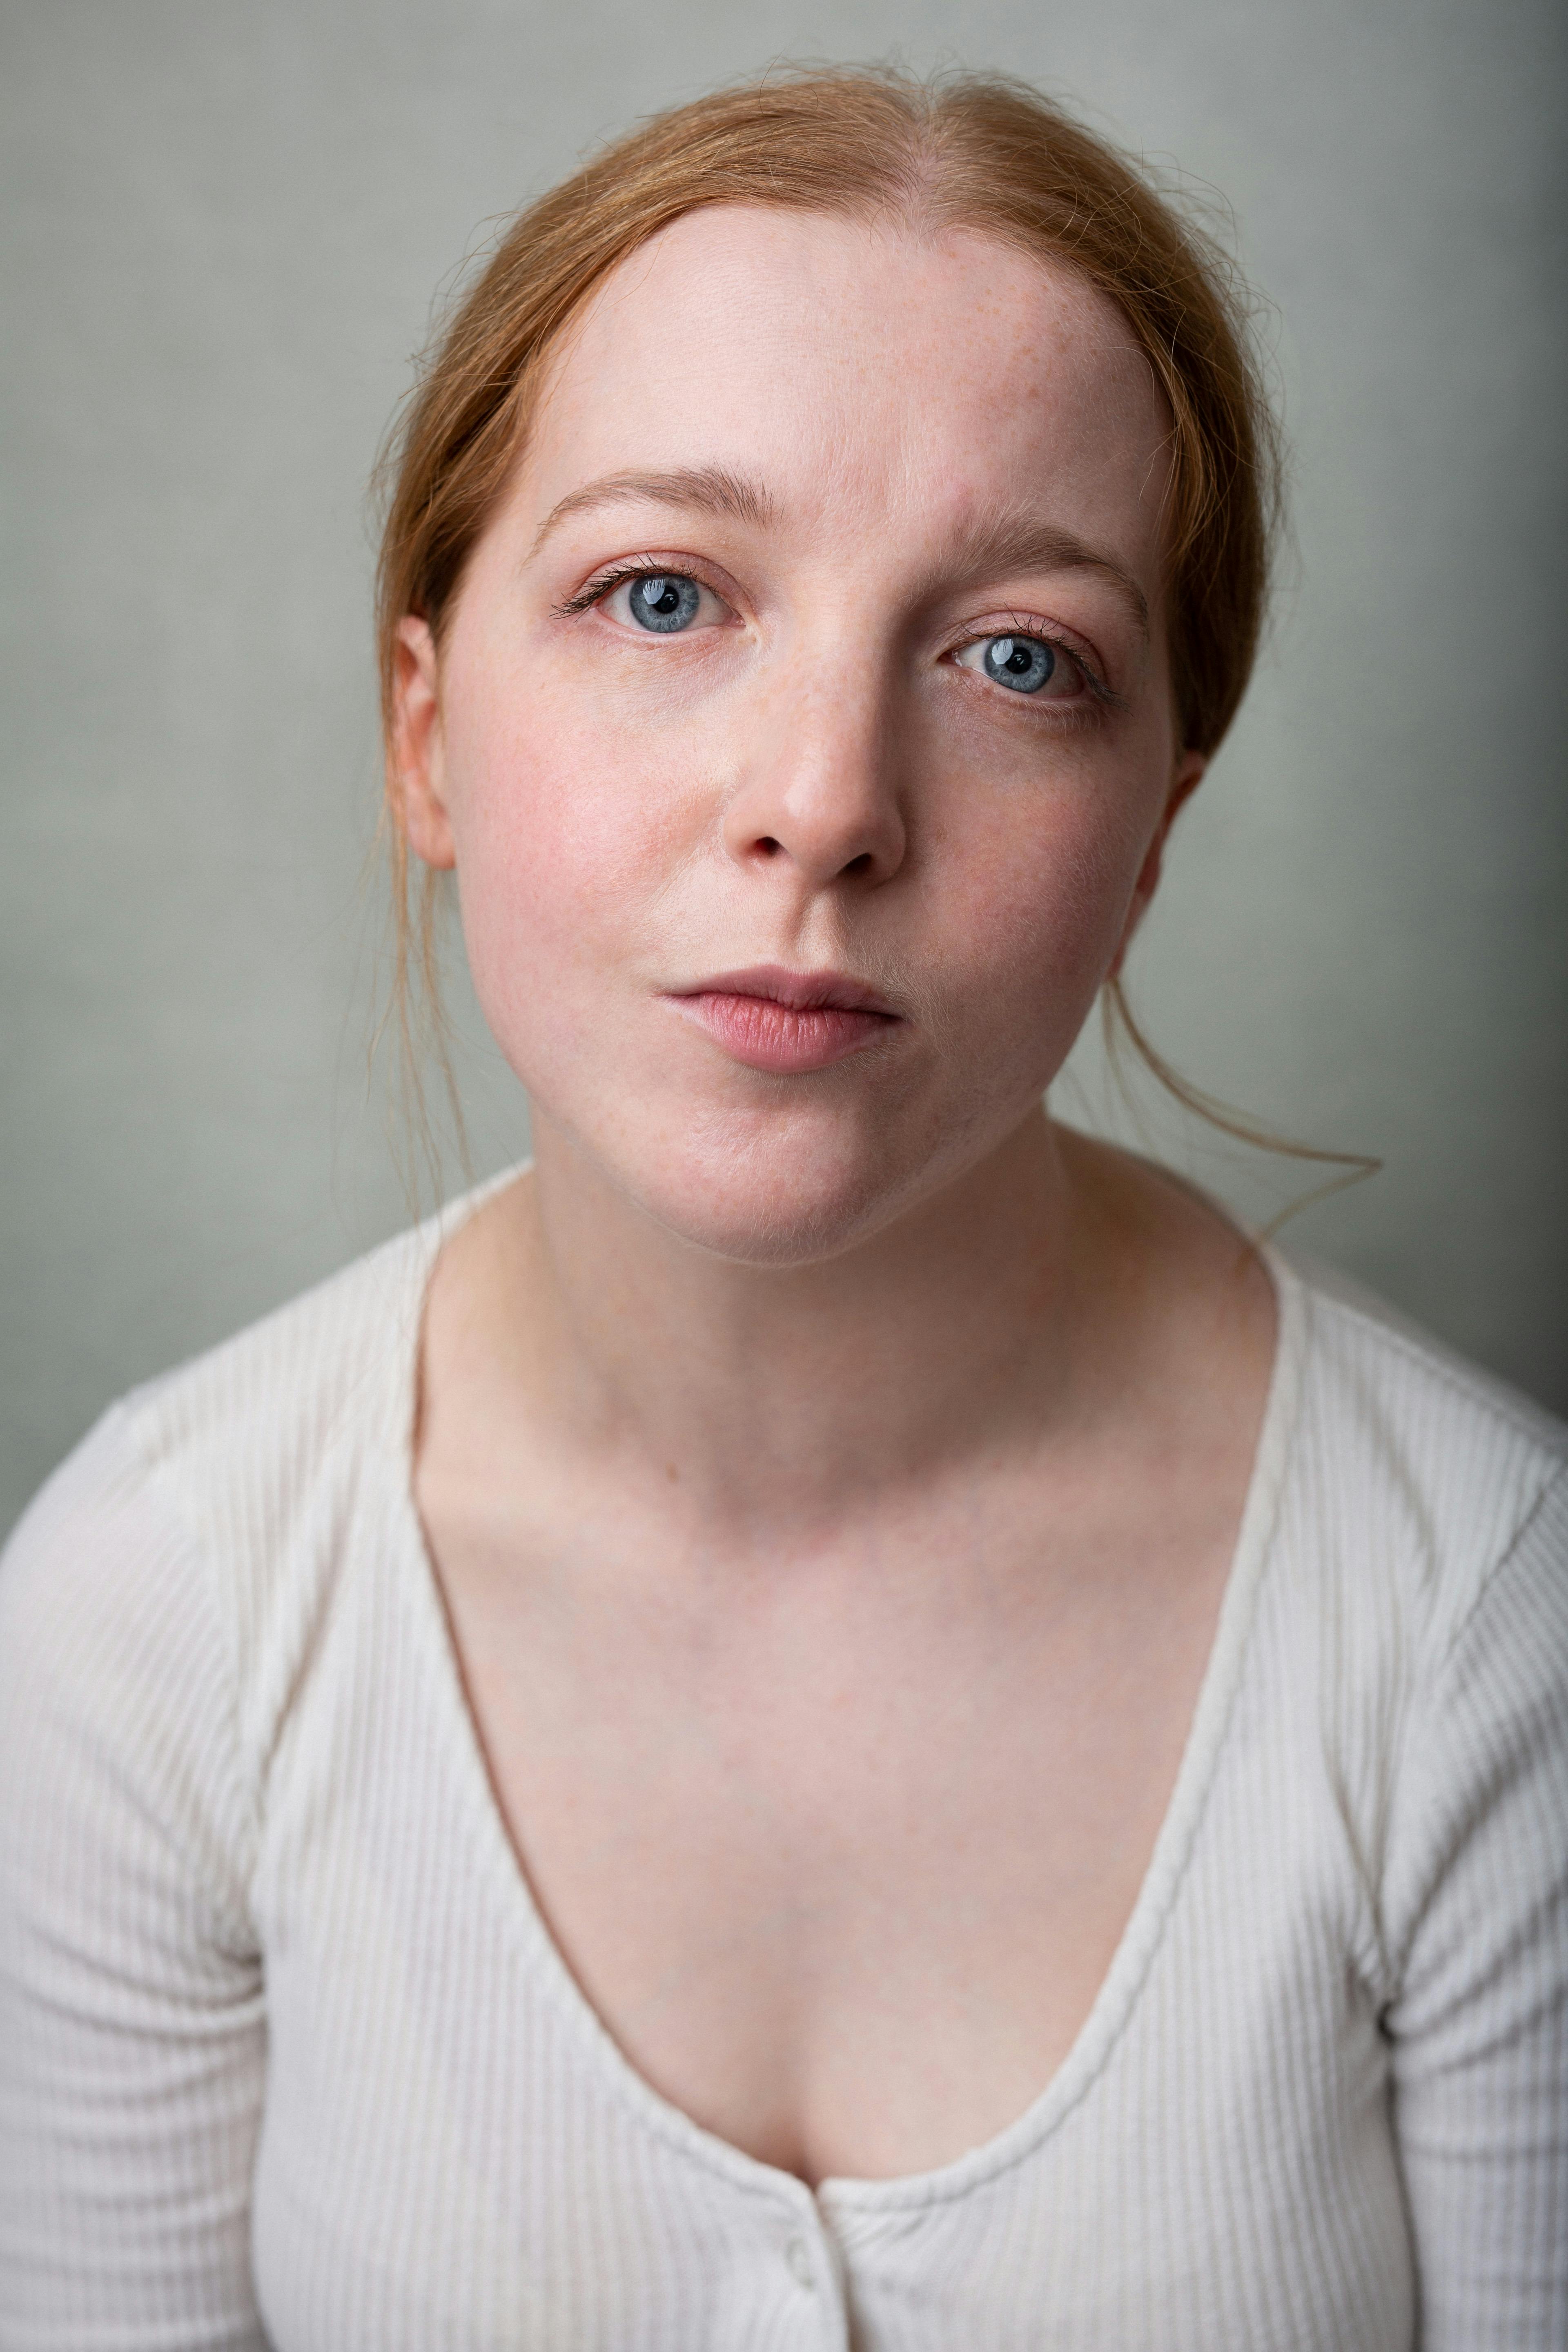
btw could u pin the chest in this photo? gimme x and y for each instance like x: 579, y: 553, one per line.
x: 450, y: 2148
x: 450, y: 2153
x: 841, y: 1857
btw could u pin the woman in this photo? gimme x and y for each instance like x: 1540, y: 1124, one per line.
x: 834, y: 1716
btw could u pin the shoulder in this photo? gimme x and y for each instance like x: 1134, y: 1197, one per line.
x: 239, y: 1436
x: 180, y: 1554
x: 1432, y: 1472
x: 1413, y: 1656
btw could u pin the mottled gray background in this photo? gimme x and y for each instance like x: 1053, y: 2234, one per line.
x: 225, y: 224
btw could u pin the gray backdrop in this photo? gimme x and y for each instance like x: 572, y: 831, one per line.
x: 224, y: 226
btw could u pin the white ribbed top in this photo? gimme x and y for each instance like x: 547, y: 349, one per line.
x: 287, y: 2057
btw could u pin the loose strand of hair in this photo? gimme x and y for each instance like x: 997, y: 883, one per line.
x: 1118, y: 1021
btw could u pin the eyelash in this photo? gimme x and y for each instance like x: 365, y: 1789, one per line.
x: 601, y: 585
x: 1028, y: 624
x: 1023, y: 625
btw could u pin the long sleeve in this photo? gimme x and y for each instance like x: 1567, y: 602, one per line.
x: 230, y: 1717
x: 1479, y: 2027
x: 132, y: 2023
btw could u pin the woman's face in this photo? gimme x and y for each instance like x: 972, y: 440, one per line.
x: 802, y: 734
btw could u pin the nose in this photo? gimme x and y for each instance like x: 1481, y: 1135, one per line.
x: 819, y: 791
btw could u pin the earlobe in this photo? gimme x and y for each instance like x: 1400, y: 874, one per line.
x: 1189, y: 774
x: 1191, y: 769
x: 415, y: 762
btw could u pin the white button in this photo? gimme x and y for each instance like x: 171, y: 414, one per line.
x: 797, y: 2255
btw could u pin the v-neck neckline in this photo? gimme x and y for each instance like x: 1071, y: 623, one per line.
x: 1111, y: 2009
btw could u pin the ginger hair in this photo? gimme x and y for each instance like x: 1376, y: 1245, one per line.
x: 978, y: 152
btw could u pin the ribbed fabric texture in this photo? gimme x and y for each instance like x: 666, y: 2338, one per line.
x: 287, y: 2058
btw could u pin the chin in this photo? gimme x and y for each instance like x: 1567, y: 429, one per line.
x: 781, y: 1193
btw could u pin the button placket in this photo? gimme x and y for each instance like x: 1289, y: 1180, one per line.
x: 802, y: 2270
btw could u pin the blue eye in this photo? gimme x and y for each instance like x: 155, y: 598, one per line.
x: 1023, y: 664
x: 664, y: 601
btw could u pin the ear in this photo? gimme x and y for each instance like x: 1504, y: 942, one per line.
x: 416, y: 777
x: 1188, y: 776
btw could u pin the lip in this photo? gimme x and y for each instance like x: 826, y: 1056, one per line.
x: 771, y: 1018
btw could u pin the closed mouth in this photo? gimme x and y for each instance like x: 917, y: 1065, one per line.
x: 788, y: 1022
x: 801, y: 991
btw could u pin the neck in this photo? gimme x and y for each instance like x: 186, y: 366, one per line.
x: 791, y: 1398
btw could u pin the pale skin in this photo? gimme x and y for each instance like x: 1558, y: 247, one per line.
x: 831, y: 1475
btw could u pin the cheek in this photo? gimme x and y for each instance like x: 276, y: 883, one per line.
x: 1046, y: 884
x: 560, y: 844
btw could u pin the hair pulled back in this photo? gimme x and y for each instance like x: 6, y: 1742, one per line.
x: 979, y: 152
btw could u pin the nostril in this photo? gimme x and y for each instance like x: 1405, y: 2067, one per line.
x: 768, y: 846
x: 861, y: 864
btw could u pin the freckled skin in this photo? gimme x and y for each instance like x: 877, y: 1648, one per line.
x: 604, y: 801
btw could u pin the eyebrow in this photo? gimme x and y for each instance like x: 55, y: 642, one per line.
x: 1004, y: 542
x: 707, y: 489
x: 1021, y: 542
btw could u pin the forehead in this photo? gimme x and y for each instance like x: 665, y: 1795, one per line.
x: 861, y: 370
